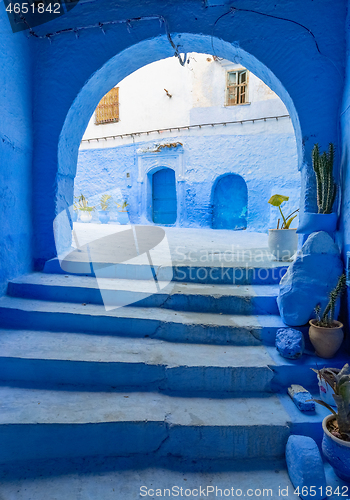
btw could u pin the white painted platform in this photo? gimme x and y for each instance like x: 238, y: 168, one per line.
x: 192, y: 246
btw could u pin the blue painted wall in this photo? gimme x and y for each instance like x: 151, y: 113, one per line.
x: 15, y: 153
x: 344, y: 233
x: 266, y: 162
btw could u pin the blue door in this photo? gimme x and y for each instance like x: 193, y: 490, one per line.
x: 230, y: 203
x: 164, y: 197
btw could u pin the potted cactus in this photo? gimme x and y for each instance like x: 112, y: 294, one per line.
x: 326, y: 334
x: 336, y: 427
x: 325, y: 219
x: 84, y: 209
x: 103, y: 214
x: 283, y: 241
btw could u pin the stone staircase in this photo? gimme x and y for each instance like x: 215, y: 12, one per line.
x: 189, y: 372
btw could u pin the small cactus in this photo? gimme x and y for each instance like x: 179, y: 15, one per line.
x: 326, y: 187
x: 327, y: 318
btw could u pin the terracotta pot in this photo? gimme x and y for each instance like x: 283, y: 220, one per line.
x: 336, y: 451
x: 283, y: 243
x: 326, y: 341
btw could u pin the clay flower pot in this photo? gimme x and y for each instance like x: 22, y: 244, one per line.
x: 326, y: 341
x: 283, y: 243
x: 336, y: 451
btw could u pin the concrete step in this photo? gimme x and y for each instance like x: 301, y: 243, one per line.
x: 247, y: 273
x: 55, y: 358
x: 106, y: 478
x: 44, y: 424
x: 51, y: 359
x: 178, y: 326
x: 227, y: 299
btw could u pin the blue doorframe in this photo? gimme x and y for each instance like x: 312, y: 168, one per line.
x: 164, y: 203
x: 230, y: 203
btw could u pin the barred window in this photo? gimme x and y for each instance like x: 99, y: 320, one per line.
x: 236, y: 87
x: 107, y: 110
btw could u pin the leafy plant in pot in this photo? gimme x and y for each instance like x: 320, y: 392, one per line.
x: 326, y: 334
x: 336, y: 427
x: 325, y: 219
x: 84, y: 209
x: 283, y: 241
x: 123, y: 217
x: 103, y: 214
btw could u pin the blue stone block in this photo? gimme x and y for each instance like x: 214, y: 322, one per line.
x: 305, y: 467
x: 301, y: 397
x: 290, y: 343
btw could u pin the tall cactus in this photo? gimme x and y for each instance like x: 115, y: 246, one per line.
x: 326, y: 187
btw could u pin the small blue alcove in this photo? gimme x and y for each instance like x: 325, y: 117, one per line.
x: 230, y: 202
x: 164, y: 204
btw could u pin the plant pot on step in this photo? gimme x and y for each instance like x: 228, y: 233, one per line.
x: 311, y: 223
x: 326, y: 341
x: 85, y: 216
x: 326, y: 392
x: 283, y: 243
x: 336, y: 451
x: 123, y: 217
x: 104, y: 216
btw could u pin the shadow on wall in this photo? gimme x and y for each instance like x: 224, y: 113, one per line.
x: 230, y: 202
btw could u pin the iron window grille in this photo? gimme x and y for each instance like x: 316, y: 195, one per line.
x: 107, y: 110
x: 236, y: 87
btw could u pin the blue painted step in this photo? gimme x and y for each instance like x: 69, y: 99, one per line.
x: 221, y: 274
x: 226, y: 299
x: 178, y: 326
x: 51, y: 359
x: 43, y: 424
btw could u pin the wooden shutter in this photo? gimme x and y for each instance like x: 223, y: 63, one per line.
x: 107, y: 110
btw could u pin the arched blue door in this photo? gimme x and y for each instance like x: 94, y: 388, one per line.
x: 164, y: 197
x: 230, y: 202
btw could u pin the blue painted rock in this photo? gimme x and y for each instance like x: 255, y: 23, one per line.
x: 290, y: 343
x: 309, y: 279
x: 305, y: 467
x: 301, y: 398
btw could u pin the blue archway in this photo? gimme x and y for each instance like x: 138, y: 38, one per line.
x: 230, y: 203
x: 118, y: 68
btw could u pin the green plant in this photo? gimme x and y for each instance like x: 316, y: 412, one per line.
x: 327, y: 318
x: 326, y: 187
x: 105, y: 201
x: 276, y: 201
x: 339, y: 381
x: 122, y: 206
x: 83, y: 204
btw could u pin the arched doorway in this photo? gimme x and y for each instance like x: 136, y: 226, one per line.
x: 230, y: 203
x: 164, y: 203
